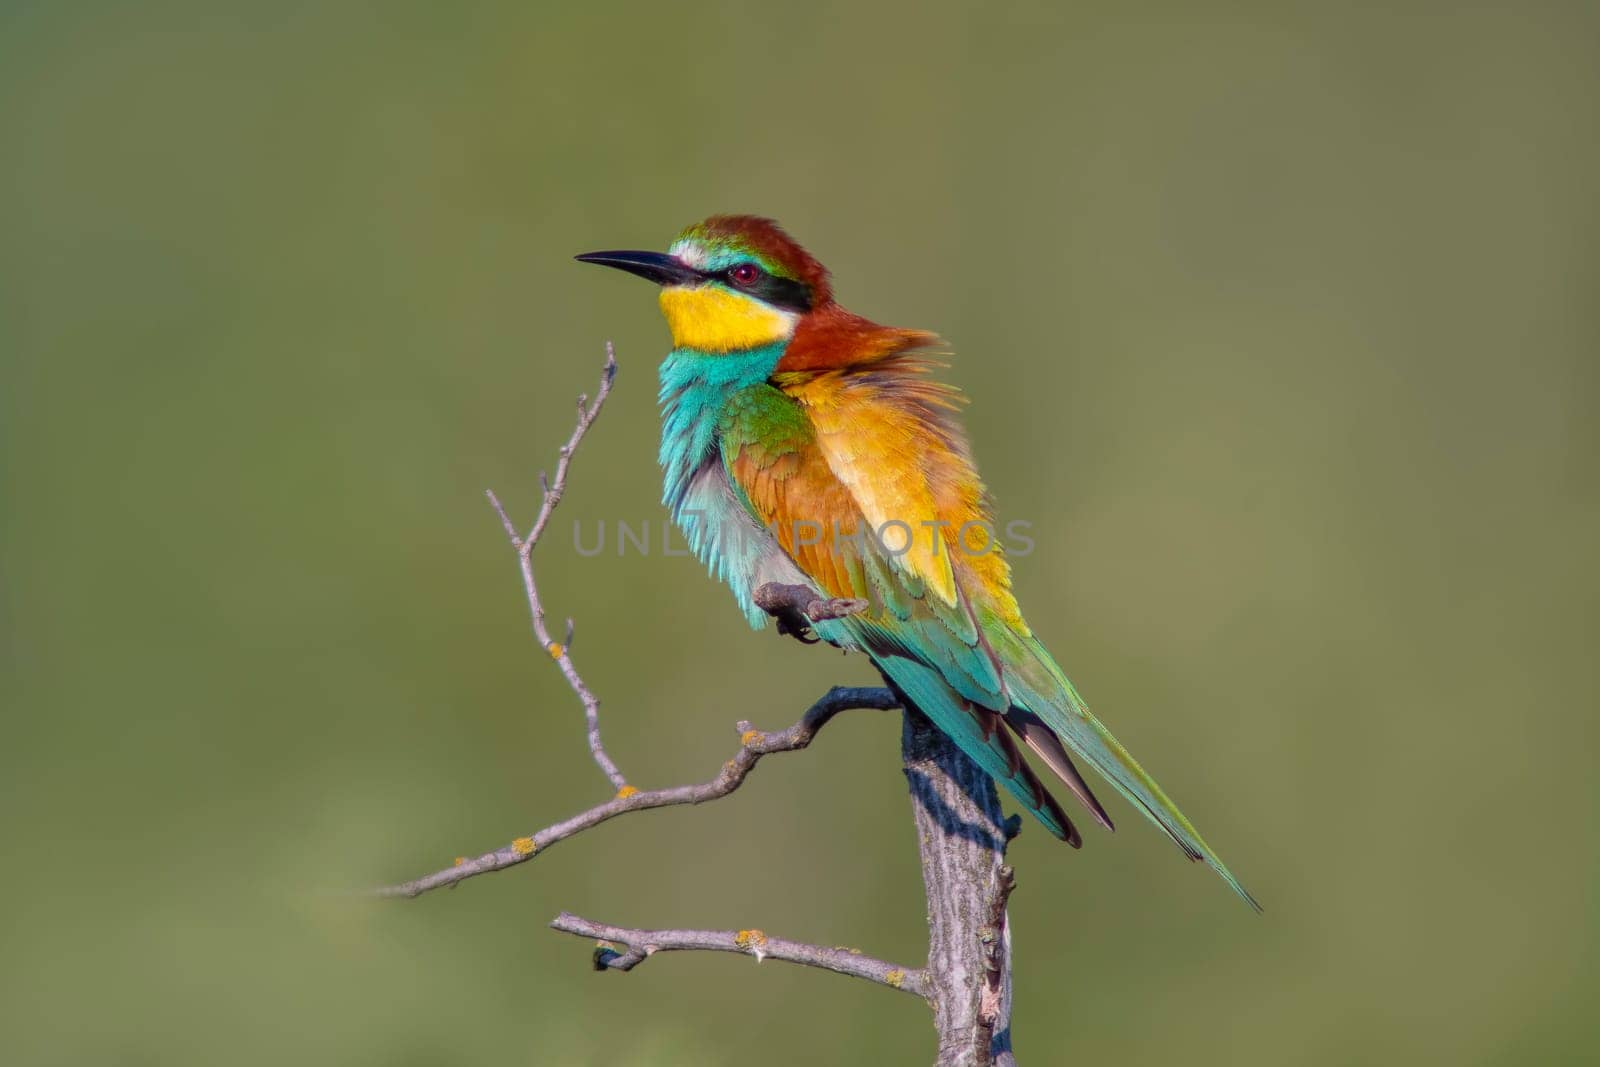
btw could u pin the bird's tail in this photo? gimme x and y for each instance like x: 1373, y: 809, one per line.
x: 1037, y: 683
x: 981, y: 733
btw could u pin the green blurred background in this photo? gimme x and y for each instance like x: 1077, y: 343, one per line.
x: 1279, y: 325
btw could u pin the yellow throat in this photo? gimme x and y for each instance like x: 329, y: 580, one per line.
x: 709, y: 318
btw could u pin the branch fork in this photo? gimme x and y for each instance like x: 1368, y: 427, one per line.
x: 561, y: 651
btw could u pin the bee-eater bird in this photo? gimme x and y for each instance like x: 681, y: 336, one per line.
x: 805, y: 445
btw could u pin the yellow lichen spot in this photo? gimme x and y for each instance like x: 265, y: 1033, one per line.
x: 749, y: 737
x: 557, y: 650
x: 750, y: 939
x: 728, y: 768
x: 524, y: 846
x: 460, y: 860
x: 896, y: 978
x: 625, y: 792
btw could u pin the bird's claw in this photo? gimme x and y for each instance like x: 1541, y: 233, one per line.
x: 798, y: 627
x: 797, y: 607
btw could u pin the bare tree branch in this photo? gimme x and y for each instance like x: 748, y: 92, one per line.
x: 561, y: 651
x: 636, y: 946
x: 962, y: 835
x: 994, y: 1005
x: 753, y: 745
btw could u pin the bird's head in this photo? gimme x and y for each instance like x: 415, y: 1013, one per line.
x: 729, y: 284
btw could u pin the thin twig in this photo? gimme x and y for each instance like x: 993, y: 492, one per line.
x: 753, y: 745
x: 636, y: 946
x: 559, y: 651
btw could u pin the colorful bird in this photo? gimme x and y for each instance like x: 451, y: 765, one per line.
x: 805, y: 445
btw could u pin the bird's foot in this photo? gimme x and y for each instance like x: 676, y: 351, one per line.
x: 796, y: 607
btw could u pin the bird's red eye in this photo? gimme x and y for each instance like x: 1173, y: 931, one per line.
x: 745, y: 274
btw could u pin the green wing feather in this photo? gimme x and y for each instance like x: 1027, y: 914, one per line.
x: 968, y: 661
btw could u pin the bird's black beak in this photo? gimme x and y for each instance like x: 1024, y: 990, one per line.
x: 657, y: 267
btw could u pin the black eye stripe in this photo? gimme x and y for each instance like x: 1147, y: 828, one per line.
x: 780, y: 292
